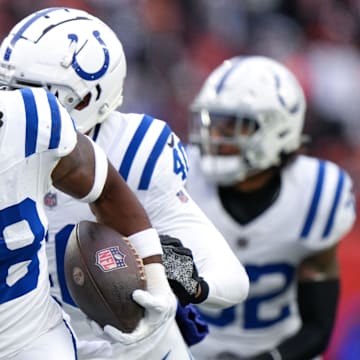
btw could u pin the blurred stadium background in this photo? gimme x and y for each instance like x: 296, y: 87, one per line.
x: 171, y: 46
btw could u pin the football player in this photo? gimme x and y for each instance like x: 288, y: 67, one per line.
x: 80, y: 59
x: 283, y: 213
x: 39, y: 146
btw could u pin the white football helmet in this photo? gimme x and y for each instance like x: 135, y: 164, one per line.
x: 252, y: 105
x: 74, y: 55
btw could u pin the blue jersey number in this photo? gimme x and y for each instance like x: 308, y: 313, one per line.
x: 180, y: 161
x: 252, y: 320
x: 23, y: 220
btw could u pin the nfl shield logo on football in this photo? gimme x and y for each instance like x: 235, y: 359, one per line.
x: 50, y: 199
x: 110, y: 259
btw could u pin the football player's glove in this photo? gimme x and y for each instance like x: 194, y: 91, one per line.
x: 160, y: 308
x: 182, y: 273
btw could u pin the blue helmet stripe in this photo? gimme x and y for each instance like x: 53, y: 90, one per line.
x: 154, y: 155
x: 233, y: 66
x: 315, y: 201
x: 55, y: 122
x: 32, y: 121
x: 134, y: 146
x: 21, y: 31
x: 339, y: 188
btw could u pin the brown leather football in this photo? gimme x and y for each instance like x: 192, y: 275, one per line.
x: 102, y: 269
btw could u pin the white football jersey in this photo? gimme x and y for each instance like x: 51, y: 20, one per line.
x: 152, y: 160
x: 314, y: 209
x: 34, y: 134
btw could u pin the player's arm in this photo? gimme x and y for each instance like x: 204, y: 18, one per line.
x: 87, y: 175
x: 318, y: 293
x: 212, y: 267
x: 112, y: 201
x: 214, y: 276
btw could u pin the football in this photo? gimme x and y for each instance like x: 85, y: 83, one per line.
x: 102, y: 269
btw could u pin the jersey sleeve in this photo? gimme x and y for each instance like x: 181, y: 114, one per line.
x: 331, y: 211
x: 56, y: 129
x: 342, y: 213
x: 34, y: 123
x: 37, y: 122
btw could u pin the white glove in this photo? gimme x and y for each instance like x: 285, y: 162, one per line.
x: 159, y: 303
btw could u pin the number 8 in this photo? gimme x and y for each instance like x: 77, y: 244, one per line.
x: 11, y: 258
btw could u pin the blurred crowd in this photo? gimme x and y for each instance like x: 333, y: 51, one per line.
x: 172, y: 45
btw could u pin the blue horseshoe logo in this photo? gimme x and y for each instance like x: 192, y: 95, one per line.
x: 82, y: 73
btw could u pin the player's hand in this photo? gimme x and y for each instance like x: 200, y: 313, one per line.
x: 182, y: 273
x: 159, y: 303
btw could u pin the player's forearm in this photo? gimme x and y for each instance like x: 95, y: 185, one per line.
x: 223, y: 294
x: 118, y: 207
x: 317, y: 305
x: 227, y: 279
x: 221, y: 269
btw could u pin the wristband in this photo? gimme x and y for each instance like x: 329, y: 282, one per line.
x: 146, y: 242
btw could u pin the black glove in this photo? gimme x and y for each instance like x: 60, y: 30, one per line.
x: 181, y: 272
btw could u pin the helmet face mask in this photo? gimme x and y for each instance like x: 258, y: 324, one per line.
x: 71, y: 53
x: 249, y: 113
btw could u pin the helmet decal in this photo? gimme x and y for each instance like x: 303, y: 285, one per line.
x: 20, y: 33
x: 291, y: 110
x: 82, y: 73
x: 233, y: 66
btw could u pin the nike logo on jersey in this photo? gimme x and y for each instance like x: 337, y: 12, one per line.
x: 166, y: 356
x: 242, y: 242
x: 171, y: 142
